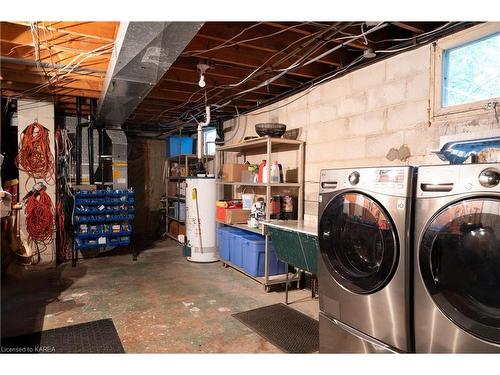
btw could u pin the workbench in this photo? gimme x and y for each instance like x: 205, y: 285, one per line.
x: 295, y: 243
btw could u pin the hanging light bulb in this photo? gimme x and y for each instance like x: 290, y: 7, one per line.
x: 202, y: 67
x: 201, y: 82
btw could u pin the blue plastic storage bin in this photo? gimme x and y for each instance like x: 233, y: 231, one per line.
x: 223, y: 241
x: 236, y: 246
x: 254, y: 258
x: 179, y: 145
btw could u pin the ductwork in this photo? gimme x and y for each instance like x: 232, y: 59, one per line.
x: 143, y: 52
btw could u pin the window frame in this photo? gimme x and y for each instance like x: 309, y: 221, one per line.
x: 439, y: 47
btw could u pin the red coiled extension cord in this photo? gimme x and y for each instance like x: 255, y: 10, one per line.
x: 40, y: 219
x: 35, y: 157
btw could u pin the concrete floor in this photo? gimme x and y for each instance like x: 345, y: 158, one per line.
x: 159, y: 304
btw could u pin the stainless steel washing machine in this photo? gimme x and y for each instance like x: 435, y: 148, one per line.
x: 364, y: 260
x: 457, y: 259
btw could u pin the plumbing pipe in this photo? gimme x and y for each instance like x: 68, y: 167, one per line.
x: 90, y: 140
x: 199, y: 143
x: 78, y: 140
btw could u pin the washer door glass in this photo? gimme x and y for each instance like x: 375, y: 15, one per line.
x: 460, y: 265
x: 358, y: 243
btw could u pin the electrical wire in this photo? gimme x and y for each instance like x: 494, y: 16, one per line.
x: 296, y: 64
x: 311, y: 88
x: 34, y: 156
x: 40, y: 219
x: 225, y: 45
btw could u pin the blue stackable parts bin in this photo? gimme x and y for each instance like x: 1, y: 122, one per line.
x: 118, y: 207
x: 254, y: 258
x: 179, y: 145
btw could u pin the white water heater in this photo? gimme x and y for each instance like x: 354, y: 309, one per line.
x: 200, y: 219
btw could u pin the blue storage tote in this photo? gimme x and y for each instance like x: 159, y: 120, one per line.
x: 236, y: 246
x: 179, y: 145
x: 254, y: 258
x: 223, y: 241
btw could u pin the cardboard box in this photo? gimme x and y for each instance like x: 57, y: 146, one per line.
x: 231, y: 172
x: 182, y: 229
x: 172, y: 188
x: 232, y: 215
x: 173, y: 228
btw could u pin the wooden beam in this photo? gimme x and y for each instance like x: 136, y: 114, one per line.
x: 33, y: 70
x: 21, y: 35
x: 105, y: 31
x: 246, y: 57
x: 167, y: 82
x: 409, y: 27
x: 300, y: 31
x: 33, y: 78
x: 186, y: 69
x: 58, y: 57
x: 30, y: 89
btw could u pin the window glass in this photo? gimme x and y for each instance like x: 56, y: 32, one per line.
x: 209, y: 136
x: 471, y: 72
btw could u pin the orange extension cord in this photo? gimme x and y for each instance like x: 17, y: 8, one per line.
x: 40, y: 219
x: 34, y: 155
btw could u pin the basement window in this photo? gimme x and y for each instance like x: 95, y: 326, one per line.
x: 471, y: 72
x: 467, y: 70
x: 209, y: 136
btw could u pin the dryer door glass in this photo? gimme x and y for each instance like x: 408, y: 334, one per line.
x: 358, y: 243
x: 459, y: 262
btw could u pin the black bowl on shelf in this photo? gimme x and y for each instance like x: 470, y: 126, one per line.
x: 271, y: 129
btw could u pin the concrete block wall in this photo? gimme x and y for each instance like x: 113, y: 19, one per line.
x: 356, y: 119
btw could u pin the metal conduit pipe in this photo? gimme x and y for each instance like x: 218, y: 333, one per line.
x: 78, y: 140
x: 199, y: 141
x: 90, y: 138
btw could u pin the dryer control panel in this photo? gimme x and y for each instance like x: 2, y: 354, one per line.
x: 386, y: 180
x: 443, y: 180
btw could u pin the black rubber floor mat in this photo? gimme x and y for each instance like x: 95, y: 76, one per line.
x: 288, y: 329
x: 99, y: 336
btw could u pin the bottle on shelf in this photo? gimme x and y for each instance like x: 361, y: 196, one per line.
x: 265, y: 174
x: 261, y: 171
x: 275, y: 173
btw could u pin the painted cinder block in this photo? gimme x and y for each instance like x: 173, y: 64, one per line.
x: 408, y: 63
x: 386, y: 95
x: 379, y: 145
x: 407, y: 115
x: 367, y: 123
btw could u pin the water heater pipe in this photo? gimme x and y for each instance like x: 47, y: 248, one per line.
x: 199, y: 143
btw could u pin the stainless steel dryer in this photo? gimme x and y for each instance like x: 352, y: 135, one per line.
x: 364, y: 259
x: 457, y: 259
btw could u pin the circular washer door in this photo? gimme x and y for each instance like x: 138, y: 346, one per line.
x: 459, y: 262
x: 358, y: 243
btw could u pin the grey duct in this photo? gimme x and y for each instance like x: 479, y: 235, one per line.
x: 143, y: 52
x: 118, y: 158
